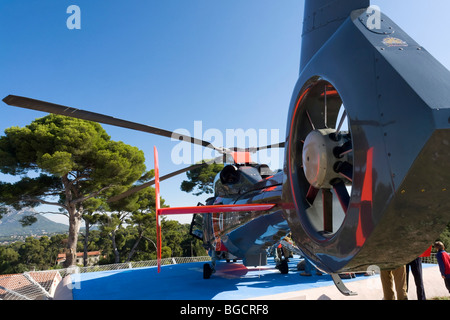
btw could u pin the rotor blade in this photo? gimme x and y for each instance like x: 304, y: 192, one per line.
x: 345, y: 169
x: 255, y: 149
x: 347, y: 147
x: 272, y: 146
x: 28, y: 103
x: 165, y: 177
x: 152, y: 182
x: 341, y: 122
x: 311, y: 195
x: 327, y: 200
x: 310, y: 121
x: 342, y: 194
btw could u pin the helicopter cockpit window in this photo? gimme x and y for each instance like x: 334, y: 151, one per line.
x: 197, y: 226
x: 230, y: 175
x: 264, y: 171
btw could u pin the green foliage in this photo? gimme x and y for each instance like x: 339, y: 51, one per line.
x: 29, y: 192
x: 39, y: 254
x: 3, y: 210
x: 70, y: 155
x: 73, y: 164
x: 76, y: 162
x: 54, y: 144
x: 445, y: 237
x: 137, y: 212
x: 27, y: 221
x: 139, y: 235
x: 9, y: 261
x: 173, y: 236
x: 201, y: 180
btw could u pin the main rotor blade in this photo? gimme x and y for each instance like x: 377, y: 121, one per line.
x: 152, y: 182
x: 165, y: 177
x: 255, y: 149
x: 272, y: 146
x: 28, y: 103
x: 33, y: 104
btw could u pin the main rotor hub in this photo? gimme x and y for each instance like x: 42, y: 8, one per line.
x: 320, y: 157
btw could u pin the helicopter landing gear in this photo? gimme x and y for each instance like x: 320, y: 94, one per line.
x: 283, y: 267
x: 341, y: 286
x: 207, y: 271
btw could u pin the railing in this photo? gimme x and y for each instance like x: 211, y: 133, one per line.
x: 132, y: 265
x: 431, y: 259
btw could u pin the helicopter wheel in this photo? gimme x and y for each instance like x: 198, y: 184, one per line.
x: 283, y: 267
x: 207, y: 271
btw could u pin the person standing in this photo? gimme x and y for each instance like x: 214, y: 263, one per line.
x: 416, y: 270
x: 444, y: 263
x: 388, y: 278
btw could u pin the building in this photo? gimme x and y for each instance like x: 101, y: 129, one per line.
x: 35, y: 285
x: 93, y: 258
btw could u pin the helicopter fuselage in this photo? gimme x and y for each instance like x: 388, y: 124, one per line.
x: 245, y: 235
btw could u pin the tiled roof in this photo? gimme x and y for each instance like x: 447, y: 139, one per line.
x: 80, y: 254
x: 19, y: 285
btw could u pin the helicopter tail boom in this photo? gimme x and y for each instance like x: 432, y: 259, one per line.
x: 322, y: 19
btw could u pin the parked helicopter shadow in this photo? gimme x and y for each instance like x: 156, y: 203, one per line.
x: 232, y: 281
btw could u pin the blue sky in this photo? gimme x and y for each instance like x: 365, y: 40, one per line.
x: 167, y: 63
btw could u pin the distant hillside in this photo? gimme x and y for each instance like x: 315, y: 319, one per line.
x: 10, y: 225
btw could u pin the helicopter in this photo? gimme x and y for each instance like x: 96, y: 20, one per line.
x: 359, y: 179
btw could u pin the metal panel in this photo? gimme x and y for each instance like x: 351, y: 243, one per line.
x: 321, y: 20
x: 397, y: 99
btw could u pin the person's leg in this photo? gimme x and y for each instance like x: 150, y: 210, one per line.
x: 387, y: 284
x: 416, y: 270
x: 399, y: 275
x: 447, y: 283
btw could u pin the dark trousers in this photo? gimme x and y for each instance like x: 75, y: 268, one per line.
x: 416, y: 269
x: 447, y: 283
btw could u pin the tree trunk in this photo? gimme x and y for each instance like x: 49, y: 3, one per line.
x: 133, y: 250
x: 86, y: 242
x: 116, y: 251
x: 74, y: 228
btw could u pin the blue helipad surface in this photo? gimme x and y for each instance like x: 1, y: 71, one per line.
x: 232, y: 281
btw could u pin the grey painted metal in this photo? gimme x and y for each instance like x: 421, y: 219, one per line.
x: 321, y: 19
x: 397, y: 98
